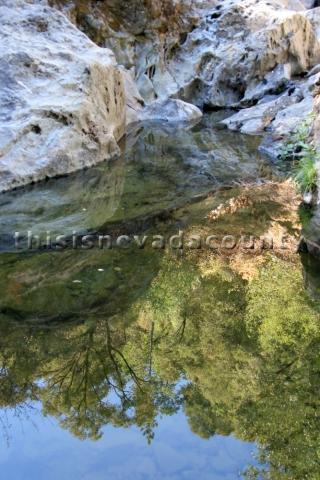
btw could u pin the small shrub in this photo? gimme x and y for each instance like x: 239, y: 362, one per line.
x: 305, y: 174
x: 302, y: 152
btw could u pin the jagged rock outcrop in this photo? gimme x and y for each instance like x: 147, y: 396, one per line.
x: 242, y: 52
x: 143, y: 34
x: 314, y: 17
x: 277, y: 116
x: 211, y: 54
x: 168, y: 110
x: 237, y: 53
x: 62, y: 100
x: 65, y: 102
x: 214, y: 54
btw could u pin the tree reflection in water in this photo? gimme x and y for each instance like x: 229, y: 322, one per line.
x: 232, y: 341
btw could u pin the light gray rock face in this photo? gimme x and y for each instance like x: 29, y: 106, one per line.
x: 62, y: 100
x: 316, y: 132
x: 143, y: 34
x: 65, y: 103
x: 212, y: 53
x: 241, y: 52
x: 255, y: 120
x: 308, y: 4
x: 279, y: 116
x: 171, y: 110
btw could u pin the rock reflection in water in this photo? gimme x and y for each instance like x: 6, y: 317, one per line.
x: 231, y: 340
x: 161, y: 168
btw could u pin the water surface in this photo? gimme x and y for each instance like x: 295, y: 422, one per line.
x: 146, y: 363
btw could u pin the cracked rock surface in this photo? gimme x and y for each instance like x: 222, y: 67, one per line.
x: 62, y: 101
x: 75, y: 73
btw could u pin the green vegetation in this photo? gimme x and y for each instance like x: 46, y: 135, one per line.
x: 305, y: 173
x: 122, y: 338
x: 300, y: 149
x: 248, y: 352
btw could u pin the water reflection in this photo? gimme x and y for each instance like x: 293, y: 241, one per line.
x: 247, y: 352
x: 161, y: 168
x: 229, y: 340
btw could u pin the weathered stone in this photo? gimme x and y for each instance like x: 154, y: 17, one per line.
x: 280, y: 116
x: 62, y: 97
x: 171, y: 110
x: 205, y: 52
x: 308, y: 3
x: 274, y: 82
x: 255, y: 120
x: 286, y: 122
x: 314, y: 18
x: 134, y: 101
x: 239, y: 52
x: 288, y: 119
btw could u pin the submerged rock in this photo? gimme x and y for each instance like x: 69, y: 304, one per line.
x: 62, y: 98
x: 161, y: 168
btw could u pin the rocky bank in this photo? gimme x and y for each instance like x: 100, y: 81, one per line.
x: 74, y: 74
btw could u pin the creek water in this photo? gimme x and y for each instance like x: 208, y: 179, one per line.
x: 187, y: 349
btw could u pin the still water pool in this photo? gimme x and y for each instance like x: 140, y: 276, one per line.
x: 200, y: 362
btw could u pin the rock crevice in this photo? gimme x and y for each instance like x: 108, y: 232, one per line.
x: 68, y: 96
